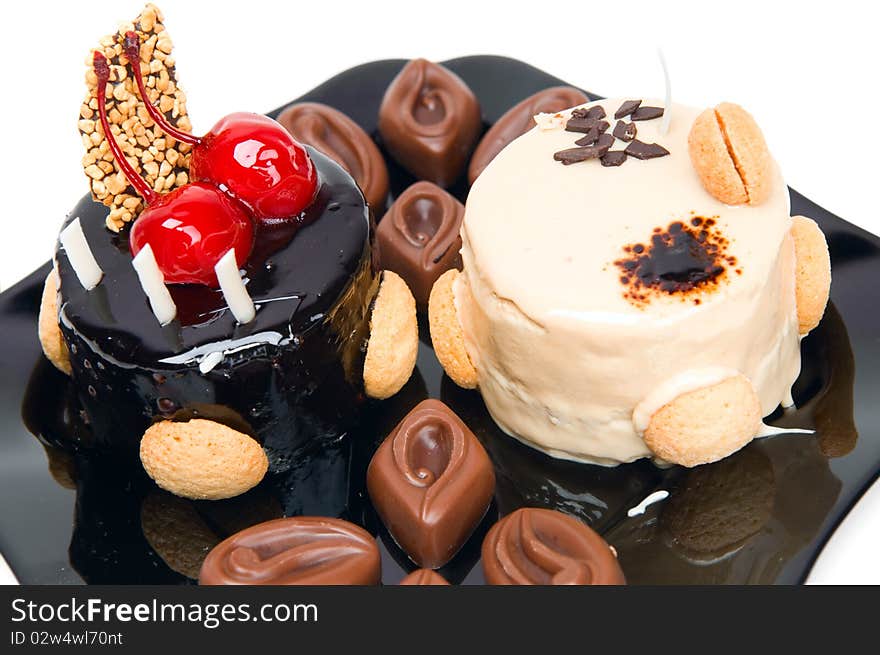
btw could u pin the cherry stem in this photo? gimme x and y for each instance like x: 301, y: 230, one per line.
x: 132, y: 47
x: 102, y: 70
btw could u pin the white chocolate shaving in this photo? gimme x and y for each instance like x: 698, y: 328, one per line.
x: 772, y: 431
x: 667, y: 105
x: 80, y: 255
x: 652, y: 498
x: 226, y: 347
x: 234, y: 291
x: 210, y: 361
x: 153, y: 283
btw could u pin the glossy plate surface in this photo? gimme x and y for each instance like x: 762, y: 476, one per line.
x: 760, y: 516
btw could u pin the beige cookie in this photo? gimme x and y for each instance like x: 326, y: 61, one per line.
x: 201, y: 459
x: 54, y: 346
x: 446, y: 335
x: 813, y: 272
x: 394, y: 338
x: 730, y: 155
x: 707, y: 424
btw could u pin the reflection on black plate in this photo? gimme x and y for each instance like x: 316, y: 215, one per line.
x: 759, y: 516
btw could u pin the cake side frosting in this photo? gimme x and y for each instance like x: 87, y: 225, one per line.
x: 563, y: 352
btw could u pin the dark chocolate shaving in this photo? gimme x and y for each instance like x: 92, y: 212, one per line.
x: 647, y: 113
x: 596, y: 142
x: 596, y: 112
x: 605, y: 141
x: 575, y: 155
x: 589, y: 139
x: 625, y: 131
x: 613, y: 158
x: 642, y: 150
x: 576, y: 124
x: 627, y: 108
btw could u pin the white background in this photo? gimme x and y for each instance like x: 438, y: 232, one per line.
x: 806, y: 70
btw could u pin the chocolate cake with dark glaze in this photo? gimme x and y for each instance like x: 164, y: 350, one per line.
x: 290, y: 378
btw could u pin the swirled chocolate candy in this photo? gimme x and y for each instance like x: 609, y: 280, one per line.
x: 518, y: 120
x: 535, y: 546
x: 343, y: 140
x: 419, y: 237
x: 429, y: 120
x: 423, y: 577
x: 431, y: 482
x: 295, y: 551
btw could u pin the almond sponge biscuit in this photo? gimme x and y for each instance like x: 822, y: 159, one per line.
x: 53, y: 344
x: 813, y: 274
x: 730, y: 155
x: 202, y: 459
x: 394, y: 338
x: 706, y: 424
x: 446, y: 333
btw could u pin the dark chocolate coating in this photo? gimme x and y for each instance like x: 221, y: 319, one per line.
x: 518, y: 120
x: 302, y: 550
x: 423, y: 577
x: 431, y: 483
x: 343, y: 140
x: 535, y: 546
x: 419, y: 238
x: 430, y: 121
x: 293, y: 380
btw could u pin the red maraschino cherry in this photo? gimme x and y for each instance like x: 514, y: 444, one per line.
x: 190, y: 228
x: 251, y: 155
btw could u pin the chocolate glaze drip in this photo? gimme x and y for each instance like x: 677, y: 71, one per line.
x: 295, y: 551
x: 431, y: 483
x: 343, y: 140
x: 291, y: 375
x: 535, y: 546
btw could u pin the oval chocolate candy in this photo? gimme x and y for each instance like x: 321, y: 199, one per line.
x: 535, y: 546
x: 431, y: 483
x: 518, y: 120
x: 343, y: 140
x: 295, y: 551
x: 419, y: 237
x: 430, y: 121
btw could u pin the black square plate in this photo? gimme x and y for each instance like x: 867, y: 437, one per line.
x: 760, y: 516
